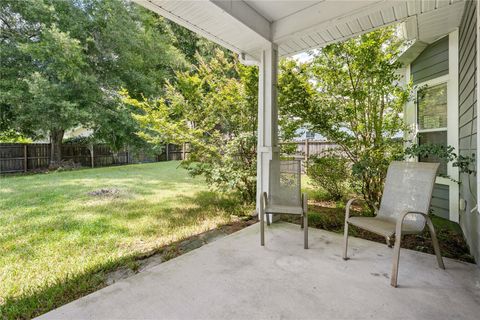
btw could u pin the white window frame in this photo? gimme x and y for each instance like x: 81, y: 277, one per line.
x: 429, y: 84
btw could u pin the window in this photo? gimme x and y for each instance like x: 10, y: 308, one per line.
x: 432, y: 107
x: 432, y: 119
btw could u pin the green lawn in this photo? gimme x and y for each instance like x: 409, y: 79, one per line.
x: 57, y: 240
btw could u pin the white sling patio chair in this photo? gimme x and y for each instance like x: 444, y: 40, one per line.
x: 284, y: 196
x: 403, y: 209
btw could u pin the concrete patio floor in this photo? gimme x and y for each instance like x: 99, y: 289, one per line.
x: 236, y: 278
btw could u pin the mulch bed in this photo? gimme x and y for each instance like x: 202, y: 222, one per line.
x: 329, y: 216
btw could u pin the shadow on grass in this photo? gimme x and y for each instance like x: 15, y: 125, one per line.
x: 200, y: 207
x: 110, y: 216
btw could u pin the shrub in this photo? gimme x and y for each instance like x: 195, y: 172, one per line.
x: 232, y: 168
x: 330, y: 173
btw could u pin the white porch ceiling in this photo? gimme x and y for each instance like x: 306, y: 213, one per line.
x: 297, y: 26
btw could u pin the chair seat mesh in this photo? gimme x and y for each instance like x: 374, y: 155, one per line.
x: 285, y: 186
x: 408, y: 187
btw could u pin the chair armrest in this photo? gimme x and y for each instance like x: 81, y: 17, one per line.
x: 401, y: 218
x: 349, y: 204
x: 264, y: 201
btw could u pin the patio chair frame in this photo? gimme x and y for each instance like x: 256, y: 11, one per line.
x: 398, y: 238
x: 266, y: 216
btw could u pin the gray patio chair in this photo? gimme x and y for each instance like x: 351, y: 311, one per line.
x: 284, y: 196
x: 403, y: 209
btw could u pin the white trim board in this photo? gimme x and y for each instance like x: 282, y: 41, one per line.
x: 452, y: 121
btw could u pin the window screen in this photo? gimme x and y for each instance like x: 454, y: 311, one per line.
x: 432, y: 107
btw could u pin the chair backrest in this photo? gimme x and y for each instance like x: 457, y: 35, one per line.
x: 408, y: 187
x: 285, y: 183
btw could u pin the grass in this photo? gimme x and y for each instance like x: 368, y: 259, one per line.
x: 58, y: 240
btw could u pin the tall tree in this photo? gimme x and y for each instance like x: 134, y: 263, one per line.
x: 60, y: 94
x: 48, y: 87
x: 63, y: 63
x: 191, y: 44
x: 357, y: 102
x: 295, y: 91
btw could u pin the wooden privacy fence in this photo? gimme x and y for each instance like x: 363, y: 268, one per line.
x: 303, y: 150
x: 23, y: 157
x: 174, y: 152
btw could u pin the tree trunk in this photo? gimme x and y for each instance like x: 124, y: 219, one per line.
x: 92, y: 159
x: 56, y: 137
x: 115, y: 157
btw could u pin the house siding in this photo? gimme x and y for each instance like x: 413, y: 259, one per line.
x: 440, y: 201
x: 467, y: 99
x: 432, y: 62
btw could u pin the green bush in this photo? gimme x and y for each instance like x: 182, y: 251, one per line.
x: 331, y: 173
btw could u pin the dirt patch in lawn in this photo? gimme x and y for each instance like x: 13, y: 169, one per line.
x: 105, y: 192
x: 330, y: 216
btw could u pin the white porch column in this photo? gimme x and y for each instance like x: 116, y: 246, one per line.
x: 267, y: 148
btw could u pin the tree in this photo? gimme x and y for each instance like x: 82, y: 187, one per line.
x: 60, y: 94
x: 191, y: 44
x: 63, y: 63
x: 357, y: 103
x: 295, y: 91
x: 213, y: 108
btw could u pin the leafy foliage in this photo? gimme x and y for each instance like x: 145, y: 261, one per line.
x: 465, y: 163
x: 332, y: 173
x: 295, y: 91
x: 354, y: 98
x: 11, y: 136
x: 213, y: 108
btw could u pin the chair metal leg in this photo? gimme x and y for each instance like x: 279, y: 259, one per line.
x: 304, y: 223
x: 305, y: 230
x: 396, y: 259
x: 345, y: 241
x: 436, y: 247
x: 388, y: 240
x: 305, y: 209
x: 262, y: 227
x: 269, y: 216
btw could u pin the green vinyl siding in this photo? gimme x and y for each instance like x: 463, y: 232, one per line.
x: 440, y: 201
x: 467, y: 113
x: 432, y: 62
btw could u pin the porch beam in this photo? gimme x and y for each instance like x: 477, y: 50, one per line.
x: 243, y: 13
x: 267, y: 145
